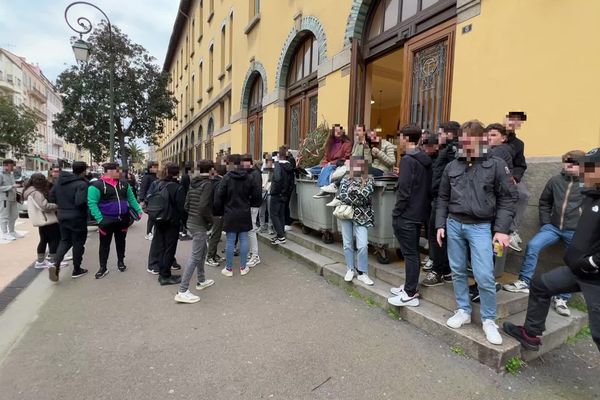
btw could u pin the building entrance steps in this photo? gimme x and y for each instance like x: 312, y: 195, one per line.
x: 436, y: 306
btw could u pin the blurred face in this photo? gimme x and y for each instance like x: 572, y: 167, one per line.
x: 570, y: 167
x: 154, y: 169
x: 231, y: 167
x: 338, y: 132
x: 113, y: 173
x: 247, y: 164
x: 495, y: 138
x: 405, y: 143
x: 269, y: 163
x: 358, y: 166
x: 472, y: 146
x: 431, y: 149
x: 512, y: 123
x: 55, y: 172
x: 9, y: 167
x: 442, y: 136
x: 360, y: 133
x: 590, y: 174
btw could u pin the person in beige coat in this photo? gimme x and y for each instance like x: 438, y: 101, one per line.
x: 43, y: 215
x: 383, y: 153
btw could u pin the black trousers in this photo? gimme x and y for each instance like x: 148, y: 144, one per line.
x: 73, y: 233
x: 149, y: 226
x: 119, y: 231
x: 407, y: 233
x: 441, y: 265
x: 555, y: 282
x: 288, y: 213
x: 277, y: 213
x: 49, y: 237
x: 215, y: 237
x: 163, y: 247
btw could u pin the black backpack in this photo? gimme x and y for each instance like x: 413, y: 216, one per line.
x: 158, y: 203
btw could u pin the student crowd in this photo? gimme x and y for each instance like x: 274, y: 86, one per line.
x: 463, y: 184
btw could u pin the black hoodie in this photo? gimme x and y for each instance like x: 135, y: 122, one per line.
x: 519, y: 163
x: 70, y: 194
x: 236, y: 194
x: 586, y: 241
x: 147, y: 180
x: 283, y: 179
x: 413, y: 190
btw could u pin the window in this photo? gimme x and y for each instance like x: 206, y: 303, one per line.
x: 1, y: 76
x: 193, y: 31
x: 187, y: 49
x: 222, y: 114
x: 211, y: 9
x: 230, y: 40
x: 200, y: 82
x: 306, y: 60
x: 200, y: 21
x: 9, y: 78
x: 223, y: 49
x: 210, y: 66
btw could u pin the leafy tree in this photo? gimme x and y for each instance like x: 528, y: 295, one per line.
x: 18, y: 127
x: 142, y: 100
x: 135, y: 153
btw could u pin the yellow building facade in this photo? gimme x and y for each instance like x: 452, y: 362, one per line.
x: 251, y: 75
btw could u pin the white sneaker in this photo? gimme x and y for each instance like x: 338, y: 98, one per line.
x: 404, y: 300
x: 560, y: 306
x: 334, y: 203
x: 513, y: 243
x: 253, y: 262
x: 517, y: 237
x: 287, y: 228
x: 321, y: 194
x: 149, y: 236
x: 42, y: 265
x: 491, y: 331
x: 364, y: 278
x: 331, y: 188
x: 227, y: 272
x: 205, y: 284
x: 349, y: 275
x: 459, y: 319
x: 517, y: 286
x: 397, y: 290
x: 16, y: 235
x: 244, y: 271
x: 186, y: 297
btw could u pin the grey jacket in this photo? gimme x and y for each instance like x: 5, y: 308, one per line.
x: 386, y: 158
x: 560, y: 202
x: 477, y: 192
x: 7, y: 192
x: 199, y: 201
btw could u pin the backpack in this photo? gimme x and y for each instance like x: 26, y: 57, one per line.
x: 158, y: 203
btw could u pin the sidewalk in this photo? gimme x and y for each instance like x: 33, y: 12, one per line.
x: 18, y: 255
x: 280, y: 332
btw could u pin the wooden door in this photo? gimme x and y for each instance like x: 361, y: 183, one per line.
x: 254, y: 136
x: 356, y: 110
x: 428, y: 60
x: 301, y: 117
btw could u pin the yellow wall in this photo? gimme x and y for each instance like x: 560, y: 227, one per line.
x: 538, y: 56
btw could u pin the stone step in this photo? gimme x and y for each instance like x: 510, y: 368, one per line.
x: 431, y: 317
x: 393, y: 274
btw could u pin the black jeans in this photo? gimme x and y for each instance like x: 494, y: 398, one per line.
x: 73, y: 233
x: 277, y: 214
x: 441, y: 265
x: 288, y: 212
x: 149, y: 226
x: 164, y: 247
x: 555, y: 282
x: 117, y: 229
x: 407, y: 233
x: 215, y: 237
x: 49, y: 237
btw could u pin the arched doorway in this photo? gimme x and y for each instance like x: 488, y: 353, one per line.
x: 255, y: 118
x: 209, y: 139
x: 401, y: 64
x: 191, y: 149
x: 199, y: 145
x: 302, y: 91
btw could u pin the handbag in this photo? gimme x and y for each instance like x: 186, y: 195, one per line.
x: 343, y: 211
x: 38, y: 216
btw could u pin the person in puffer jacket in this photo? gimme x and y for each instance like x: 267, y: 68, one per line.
x: 582, y: 270
x: 560, y: 209
x: 109, y: 200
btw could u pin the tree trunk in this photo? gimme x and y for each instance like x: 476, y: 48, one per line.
x: 124, y: 166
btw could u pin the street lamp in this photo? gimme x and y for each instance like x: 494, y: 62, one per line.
x: 82, y: 50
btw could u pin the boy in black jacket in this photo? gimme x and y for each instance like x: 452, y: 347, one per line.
x: 413, y: 198
x: 149, y: 177
x: 582, y: 273
x: 281, y: 190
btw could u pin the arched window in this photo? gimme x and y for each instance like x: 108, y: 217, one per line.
x: 191, y: 152
x: 210, y: 129
x: 199, y: 145
x: 302, y: 90
x: 255, y: 118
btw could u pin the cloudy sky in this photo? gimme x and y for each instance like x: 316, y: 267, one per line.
x: 36, y: 29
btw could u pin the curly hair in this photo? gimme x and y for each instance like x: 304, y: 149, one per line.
x: 39, y: 183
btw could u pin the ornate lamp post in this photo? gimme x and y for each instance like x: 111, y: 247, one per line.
x: 82, y: 51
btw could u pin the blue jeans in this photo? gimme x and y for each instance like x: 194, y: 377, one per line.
x: 230, y: 248
x: 324, y: 173
x: 547, y: 236
x: 350, y: 229
x: 479, y: 239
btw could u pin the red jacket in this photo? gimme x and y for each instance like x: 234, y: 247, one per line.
x: 343, y: 153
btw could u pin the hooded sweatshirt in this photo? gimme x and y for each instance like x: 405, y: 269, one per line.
x: 70, y: 194
x: 111, y: 198
x: 519, y: 163
x: 236, y: 194
x: 283, y: 179
x: 413, y: 190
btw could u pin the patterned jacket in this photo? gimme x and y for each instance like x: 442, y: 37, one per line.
x: 351, y: 193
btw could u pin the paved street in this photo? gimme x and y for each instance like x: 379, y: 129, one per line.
x: 280, y: 332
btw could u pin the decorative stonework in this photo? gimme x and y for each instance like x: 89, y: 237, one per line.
x: 356, y: 20
x: 256, y: 67
x: 311, y: 24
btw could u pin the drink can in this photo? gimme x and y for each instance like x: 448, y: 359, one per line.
x: 498, y: 249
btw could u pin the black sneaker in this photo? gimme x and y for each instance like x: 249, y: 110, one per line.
x: 53, y: 273
x: 151, y: 271
x: 121, y: 266
x: 171, y: 280
x: 79, y: 272
x: 447, y: 277
x: 176, y: 266
x: 278, y: 240
x: 474, y: 293
x: 433, y: 279
x: 218, y: 258
x: 102, y: 272
x: 532, y: 343
x: 184, y: 236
